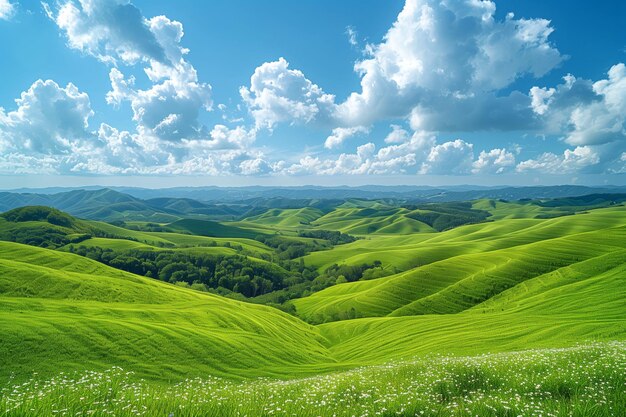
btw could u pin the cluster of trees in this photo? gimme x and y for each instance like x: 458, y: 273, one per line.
x: 45, y: 227
x: 236, y: 276
x: 319, y: 318
x: 351, y: 273
x: 147, y: 227
x: 39, y: 213
x: 312, y: 281
x: 224, y: 274
x: 332, y: 236
x: 292, y: 248
x: 42, y: 235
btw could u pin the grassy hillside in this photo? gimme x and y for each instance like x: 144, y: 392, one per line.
x: 289, y: 218
x: 372, y: 220
x: 578, y: 381
x: 461, y: 268
x: 509, y: 284
x: 210, y: 228
x: 61, y: 311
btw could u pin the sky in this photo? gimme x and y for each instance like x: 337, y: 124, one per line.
x: 429, y: 92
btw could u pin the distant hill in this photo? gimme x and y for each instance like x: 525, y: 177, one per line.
x: 45, y: 227
x: 110, y: 205
x: 405, y: 192
x: 210, y: 229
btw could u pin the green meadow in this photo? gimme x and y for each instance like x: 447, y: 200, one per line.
x: 358, y: 308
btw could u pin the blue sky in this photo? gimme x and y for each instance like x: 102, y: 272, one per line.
x: 164, y: 93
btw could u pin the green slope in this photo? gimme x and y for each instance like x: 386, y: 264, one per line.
x: 583, y: 302
x: 211, y: 229
x: 505, y: 285
x: 377, y: 219
x: 61, y: 311
x: 468, y: 265
x: 289, y: 218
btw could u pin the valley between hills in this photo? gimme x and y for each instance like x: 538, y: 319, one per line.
x: 292, y: 296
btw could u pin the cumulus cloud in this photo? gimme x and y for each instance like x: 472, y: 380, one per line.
x: 115, y: 32
x: 419, y: 154
x: 257, y: 166
x: 7, y: 10
x: 442, y: 66
x: 49, y: 119
x: 223, y: 137
x: 496, y: 161
x: 569, y: 162
x: 49, y: 129
x: 541, y: 98
x: 279, y: 94
x: 588, y: 115
x: 169, y: 109
x: 110, y: 30
x: 453, y: 157
x: 440, y: 58
x: 604, y: 120
x: 397, y: 135
x: 340, y: 134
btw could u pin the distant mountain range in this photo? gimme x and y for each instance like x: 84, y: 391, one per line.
x: 229, y: 203
x: 406, y: 192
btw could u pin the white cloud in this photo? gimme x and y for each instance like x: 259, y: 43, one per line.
x: 571, y: 161
x: 397, y: 135
x: 585, y: 112
x: 121, y: 88
x: 49, y: 119
x: 420, y: 154
x: 279, y: 94
x: 169, y: 109
x: 48, y: 132
x: 541, y: 98
x: 496, y: 161
x: 340, y: 134
x: 223, y: 137
x: 352, y: 36
x: 602, y: 121
x: 257, y: 166
x: 115, y: 31
x: 440, y: 57
x: 110, y: 30
x: 19, y: 164
x: 443, y: 66
x: 588, y: 115
x: 7, y: 10
x: 449, y: 158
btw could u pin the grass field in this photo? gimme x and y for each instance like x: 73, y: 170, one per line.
x: 63, y: 311
x: 512, y: 284
x: 456, y: 270
x: 583, y: 381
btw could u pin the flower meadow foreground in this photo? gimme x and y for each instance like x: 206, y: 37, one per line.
x: 586, y: 380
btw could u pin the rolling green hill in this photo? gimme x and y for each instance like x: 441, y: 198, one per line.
x: 362, y: 221
x: 210, y: 228
x: 62, y: 311
x: 456, y: 270
x: 508, y: 284
x: 287, y: 217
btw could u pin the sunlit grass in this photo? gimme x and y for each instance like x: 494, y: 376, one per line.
x: 587, y: 380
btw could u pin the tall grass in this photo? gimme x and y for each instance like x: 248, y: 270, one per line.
x: 586, y: 380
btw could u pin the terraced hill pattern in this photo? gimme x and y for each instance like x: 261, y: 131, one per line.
x: 375, y: 281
